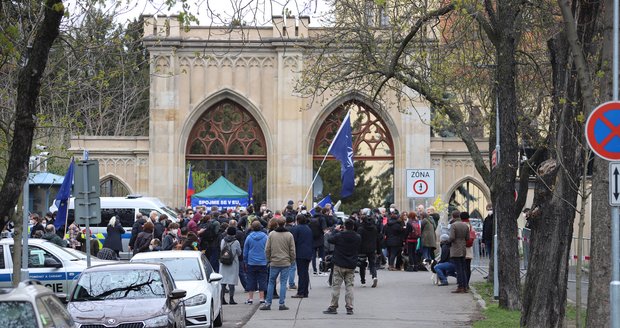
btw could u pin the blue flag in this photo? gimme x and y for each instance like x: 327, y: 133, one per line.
x: 62, y: 198
x: 342, y: 149
x: 250, y: 192
x: 323, y: 202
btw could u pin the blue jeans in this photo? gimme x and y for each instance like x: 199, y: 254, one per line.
x: 243, y: 275
x: 273, y: 274
x: 428, y: 253
x: 291, y: 274
x: 444, y: 270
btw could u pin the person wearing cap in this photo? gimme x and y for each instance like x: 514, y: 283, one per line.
x: 280, y: 253
x: 445, y: 268
x: 230, y: 272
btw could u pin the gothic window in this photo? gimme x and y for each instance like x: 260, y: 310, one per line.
x: 371, y: 139
x: 226, y: 131
x: 468, y: 197
x: 112, y: 187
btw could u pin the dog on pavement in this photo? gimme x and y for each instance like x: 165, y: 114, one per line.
x: 430, y: 267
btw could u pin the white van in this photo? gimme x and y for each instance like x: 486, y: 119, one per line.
x: 125, y: 209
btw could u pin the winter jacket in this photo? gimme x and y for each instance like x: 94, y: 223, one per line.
x: 158, y: 231
x: 280, y: 248
x: 428, y: 233
x: 230, y: 272
x: 142, y: 242
x: 302, y: 234
x: 459, y: 234
x: 113, y: 240
x: 487, y: 230
x: 347, y: 244
x: 369, y: 238
x: 254, y: 248
x: 169, y: 241
x: 317, y: 225
x: 53, y: 238
x: 445, y: 252
x: 192, y: 226
x: 394, y: 233
x: 135, y: 230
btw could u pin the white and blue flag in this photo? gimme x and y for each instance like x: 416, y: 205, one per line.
x: 342, y: 149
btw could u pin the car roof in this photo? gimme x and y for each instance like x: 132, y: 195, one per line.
x: 125, y: 266
x: 26, y: 291
x: 166, y: 254
x: 33, y: 241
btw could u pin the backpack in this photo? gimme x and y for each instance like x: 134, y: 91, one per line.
x: 210, y: 233
x: 472, y: 237
x: 415, y: 232
x: 226, y: 254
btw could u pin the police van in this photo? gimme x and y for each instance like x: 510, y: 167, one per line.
x: 54, y: 266
x: 125, y: 209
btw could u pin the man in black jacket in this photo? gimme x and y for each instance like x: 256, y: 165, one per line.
x: 368, y: 249
x: 347, y: 244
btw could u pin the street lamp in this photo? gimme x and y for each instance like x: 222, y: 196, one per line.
x: 35, y: 162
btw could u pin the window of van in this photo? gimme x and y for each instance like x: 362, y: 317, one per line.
x: 126, y: 216
x: 1, y: 257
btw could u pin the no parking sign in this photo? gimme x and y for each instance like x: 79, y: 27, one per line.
x: 420, y: 183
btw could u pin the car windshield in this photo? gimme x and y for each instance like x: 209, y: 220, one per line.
x: 119, y: 284
x: 181, y: 268
x: 17, y: 314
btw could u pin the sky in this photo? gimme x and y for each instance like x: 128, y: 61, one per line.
x: 217, y: 12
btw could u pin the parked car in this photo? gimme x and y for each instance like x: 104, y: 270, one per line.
x: 127, y: 295
x: 192, y: 272
x: 56, y: 267
x: 32, y: 305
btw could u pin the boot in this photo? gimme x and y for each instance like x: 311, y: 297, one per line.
x: 224, y: 297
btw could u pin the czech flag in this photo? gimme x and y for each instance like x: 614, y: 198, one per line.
x: 190, y: 188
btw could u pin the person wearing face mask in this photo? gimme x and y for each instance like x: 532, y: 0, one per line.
x: 171, y: 239
x: 37, y: 224
x: 487, y: 230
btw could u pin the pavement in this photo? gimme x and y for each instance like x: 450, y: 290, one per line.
x: 401, y: 299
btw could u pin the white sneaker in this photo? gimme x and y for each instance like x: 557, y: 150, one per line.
x: 323, y: 274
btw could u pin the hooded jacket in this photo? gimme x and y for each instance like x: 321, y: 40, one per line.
x: 280, y: 248
x: 394, y: 233
x: 254, y: 248
x: 370, y: 237
x: 347, y: 245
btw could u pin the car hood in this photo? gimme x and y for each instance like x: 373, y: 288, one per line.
x: 129, y: 310
x: 193, y: 287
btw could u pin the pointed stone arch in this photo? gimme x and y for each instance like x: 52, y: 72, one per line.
x: 112, y: 185
x: 469, y: 194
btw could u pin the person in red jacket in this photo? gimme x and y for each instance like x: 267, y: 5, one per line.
x: 413, y: 232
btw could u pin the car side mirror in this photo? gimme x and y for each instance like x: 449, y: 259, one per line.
x: 177, y: 293
x: 51, y: 263
x: 215, y: 277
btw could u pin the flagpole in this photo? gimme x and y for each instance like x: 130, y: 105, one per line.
x: 326, y: 154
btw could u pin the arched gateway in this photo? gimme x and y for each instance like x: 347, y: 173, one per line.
x: 227, y: 141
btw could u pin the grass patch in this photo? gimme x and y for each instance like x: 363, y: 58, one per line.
x: 494, y: 317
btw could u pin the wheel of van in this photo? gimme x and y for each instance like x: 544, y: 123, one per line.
x: 219, y: 321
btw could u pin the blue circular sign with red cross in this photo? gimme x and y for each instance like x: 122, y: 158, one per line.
x: 603, y: 130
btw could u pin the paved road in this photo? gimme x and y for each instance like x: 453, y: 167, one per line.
x: 402, y: 299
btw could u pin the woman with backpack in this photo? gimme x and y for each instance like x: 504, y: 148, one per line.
x: 413, y: 232
x: 229, y: 263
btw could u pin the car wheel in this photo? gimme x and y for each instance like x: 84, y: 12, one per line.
x: 219, y: 321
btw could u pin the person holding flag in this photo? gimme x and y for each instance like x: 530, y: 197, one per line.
x: 62, y: 199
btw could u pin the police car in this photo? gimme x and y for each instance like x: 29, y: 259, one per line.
x: 54, y: 266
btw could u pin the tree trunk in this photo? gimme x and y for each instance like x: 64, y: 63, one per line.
x: 553, y: 209
x: 505, y: 173
x: 34, y: 61
x: 598, y: 312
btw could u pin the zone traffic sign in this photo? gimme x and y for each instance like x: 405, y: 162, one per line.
x: 420, y: 183
x: 603, y: 131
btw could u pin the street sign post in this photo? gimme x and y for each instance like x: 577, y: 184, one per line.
x: 87, y: 203
x: 420, y: 183
x: 603, y: 137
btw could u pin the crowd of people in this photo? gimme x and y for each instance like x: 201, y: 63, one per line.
x: 259, y: 247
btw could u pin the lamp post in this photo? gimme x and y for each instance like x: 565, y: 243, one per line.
x: 39, y: 160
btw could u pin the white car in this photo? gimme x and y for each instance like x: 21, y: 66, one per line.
x: 56, y: 267
x: 192, y: 272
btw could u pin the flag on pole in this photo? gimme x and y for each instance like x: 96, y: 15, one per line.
x: 250, y: 192
x: 62, y: 198
x: 190, y: 188
x: 342, y: 149
x: 323, y: 202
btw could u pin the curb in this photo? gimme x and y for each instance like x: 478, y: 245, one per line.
x: 481, y: 302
